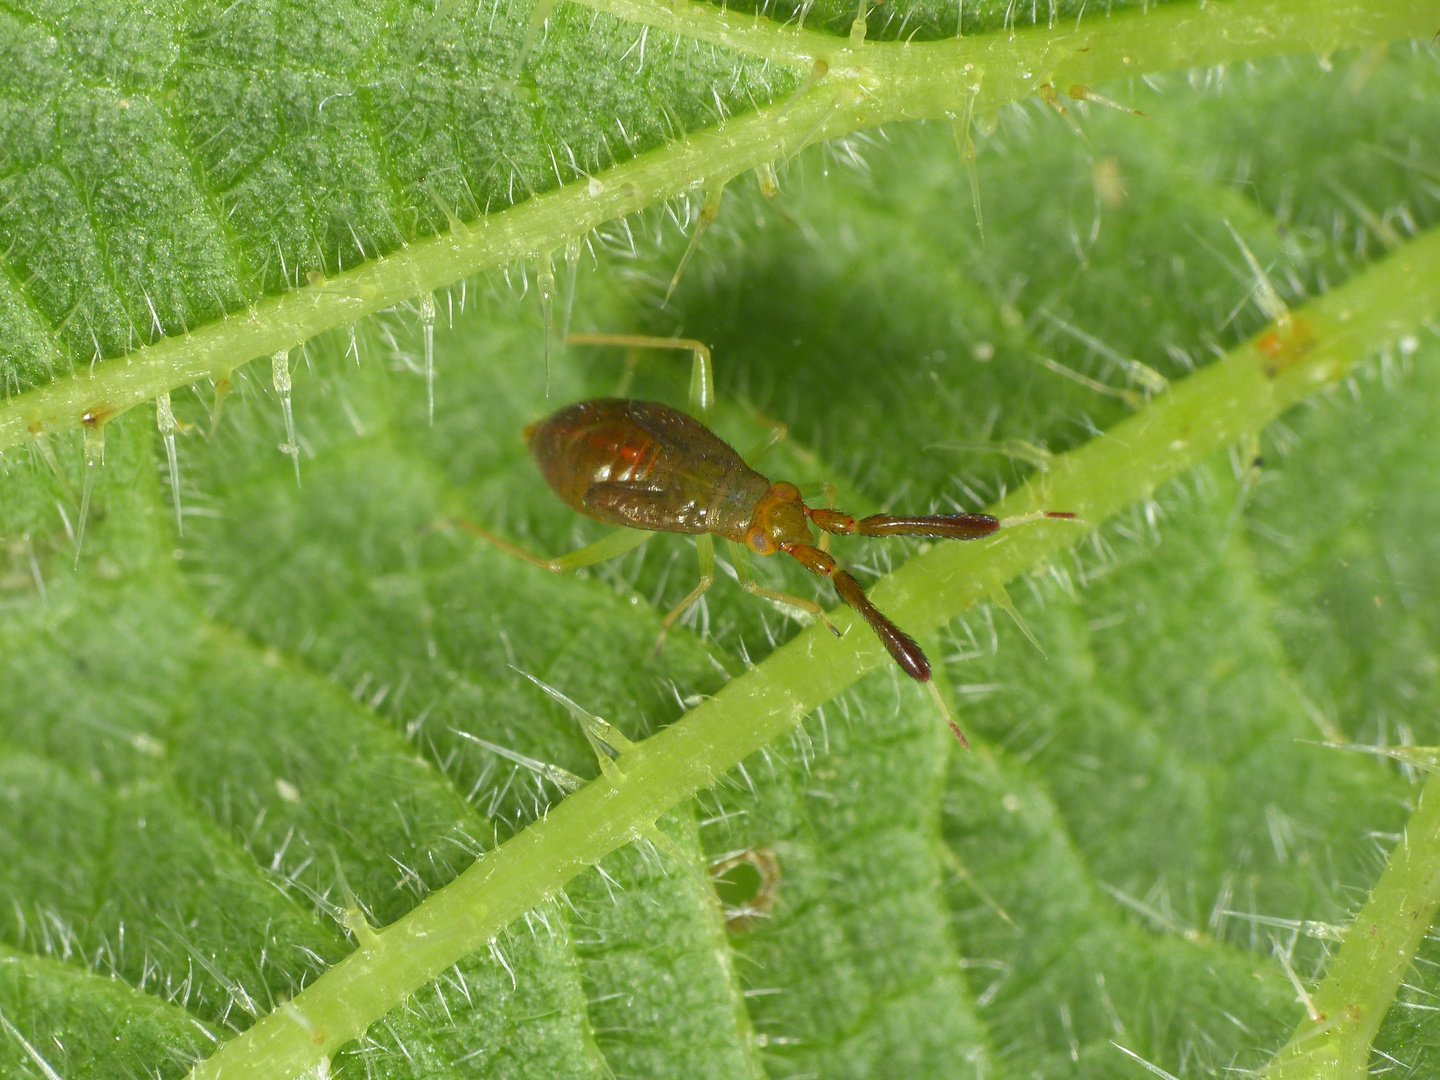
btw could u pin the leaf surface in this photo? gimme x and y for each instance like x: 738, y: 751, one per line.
x: 227, y: 756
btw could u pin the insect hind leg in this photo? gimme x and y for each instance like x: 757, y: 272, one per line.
x: 778, y: 432
x: 740, y: 558
x: 602, y: 550
x: 702, y: 374
x: 705, y: 553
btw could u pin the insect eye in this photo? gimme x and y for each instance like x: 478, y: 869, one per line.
x: 760, y: 542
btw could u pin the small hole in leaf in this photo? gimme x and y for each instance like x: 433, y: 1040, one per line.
x: 747, y: 885
x: 738, y: 885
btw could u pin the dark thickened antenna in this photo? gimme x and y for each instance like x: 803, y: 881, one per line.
x: 942, y: 526
x: 900, y: 644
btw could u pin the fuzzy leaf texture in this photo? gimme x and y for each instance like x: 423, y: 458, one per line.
x: 277, y: 704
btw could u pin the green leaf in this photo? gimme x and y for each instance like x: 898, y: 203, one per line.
x: 247, y: 770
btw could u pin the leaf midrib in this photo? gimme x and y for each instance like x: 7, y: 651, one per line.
x: 290, y: 318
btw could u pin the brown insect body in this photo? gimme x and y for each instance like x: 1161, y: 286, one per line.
x: 647, y: 466
x: 650, y: 468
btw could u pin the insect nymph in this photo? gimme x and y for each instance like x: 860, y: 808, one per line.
x: 645, y: 466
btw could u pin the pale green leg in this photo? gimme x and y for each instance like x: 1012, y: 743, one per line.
x: 538, y: 15
x: 632, y: 361
x: 705, y: 552
x: 702, y: 378
x: 708, y: 213
x: 740, y: 558
x: 779, y: 432
x: 702, y: 385
x: 602, y: 550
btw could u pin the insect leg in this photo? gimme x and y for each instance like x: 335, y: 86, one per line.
x: 705, y: 553
x: 779, y: 432
x: 702, y: 378
x: 702, y: 382
x: 608, y: 547
x: 709, y: 211
x: 740, y: 557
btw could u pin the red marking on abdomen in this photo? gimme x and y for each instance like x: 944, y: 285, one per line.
x: 623, y: 458
x: 631, y: 452
x: 594, y: 442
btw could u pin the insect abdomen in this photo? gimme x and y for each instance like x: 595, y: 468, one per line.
x: 679, y: 475
x: 591, y: 442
